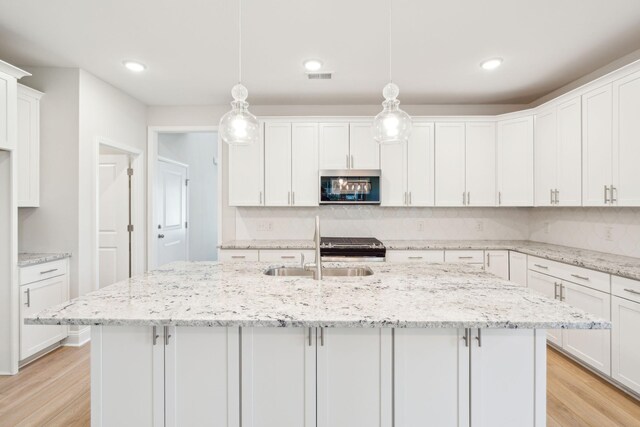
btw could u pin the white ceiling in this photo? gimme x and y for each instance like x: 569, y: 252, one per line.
x: 190, y: 46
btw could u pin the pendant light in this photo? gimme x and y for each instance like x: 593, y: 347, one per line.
x: 391, y: 125
x: 239, y: 126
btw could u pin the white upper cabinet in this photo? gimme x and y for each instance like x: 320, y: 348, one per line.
x: 515, y: 162
x: 626, y: 141
x: 8, y: 105
x: 364, y: 150
x: 597, y: 146
x: 393, y: 182
x: 450, y: 164
x: 28, y: 147
x: 569, y: 160
x: 246, y: 173
x: 480, y: 160
x: 334, y: 146
x: 304, y: 166
x: 546, y: 157
x: 277, y: 164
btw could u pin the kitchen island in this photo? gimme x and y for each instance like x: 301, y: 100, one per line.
x: 222, y: 344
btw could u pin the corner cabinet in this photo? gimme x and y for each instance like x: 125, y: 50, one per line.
x: 246, y: 173
x: 28, y: 146
x: 8, y: 110
x: 515, y: 162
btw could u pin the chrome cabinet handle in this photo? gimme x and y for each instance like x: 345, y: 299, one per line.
x: 322, y: 337
x: 260, y: 202
x: 499, y: 197
x: 468, y: 198
x: 557, y: 196
x: 238, y: 256
x: 289, y: 198
x: 287, y: 256
x: 579, y: 277
x: 479, y: 337
x: 160, y: 236
x: 347, y: 161
x: 410, y: 202
x: 465, y: 257
x: 167, y: 335
x: 352, y: 161
x: 465, y: 337
x: 405, y: 198
x: 464, y: 198
x: 293, y: 197
x: 555, y: 290
x: 310, y: 335
x: 49, y: 271
x: 551, y: 201
x: 541, y: 266
x: 489, y: 259
x: 562, y: 296
x: 632, y: 291
x: 614, y: 190
x: 606, y: 197
x: 415, y: 257
x: 155, y: 335
x: 28, y: 292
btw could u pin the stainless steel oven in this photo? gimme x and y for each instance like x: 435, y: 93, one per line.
x: 350, y: 187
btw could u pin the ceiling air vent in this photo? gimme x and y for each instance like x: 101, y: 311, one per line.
x: 319, y: 76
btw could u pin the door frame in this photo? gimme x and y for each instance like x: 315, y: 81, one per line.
x: 186, y: 166
x: 152, y: 161
x: 136, y: 157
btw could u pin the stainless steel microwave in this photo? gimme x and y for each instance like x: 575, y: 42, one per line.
x: 350, y: 187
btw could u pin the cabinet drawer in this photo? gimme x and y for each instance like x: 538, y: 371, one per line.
x: 238, y: 255
x: 465, y: 257
x: 429, y: 256
x: 289, y: 255
x: 542, y: 265
x: 625, y: 288
x: 585, y: 277
x: 46, y: 270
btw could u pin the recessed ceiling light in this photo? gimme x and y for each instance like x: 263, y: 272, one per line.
x: 491, y: 64
x: 134, y: 66
x: 312, y: 64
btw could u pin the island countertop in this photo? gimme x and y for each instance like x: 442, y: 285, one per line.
x: 396, y: 295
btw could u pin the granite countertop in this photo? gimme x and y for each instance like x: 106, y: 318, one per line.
x: 396, y: 295
x: 27, y: 258
x: 617, y: 265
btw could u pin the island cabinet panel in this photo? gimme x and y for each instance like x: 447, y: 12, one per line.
x: 278, y: 377
x: 431, y: 378
x: 625, y: 344
x: 549, y: 287
x: 518, y: 268
x: 354, y: 375
x: 497, y: 262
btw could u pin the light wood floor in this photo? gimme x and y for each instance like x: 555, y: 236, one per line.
x: 54, y: 391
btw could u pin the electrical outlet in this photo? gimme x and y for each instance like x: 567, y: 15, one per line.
x: 265, y: 226
x: 608, y: 233
x: 420, y: 225
x: 479, y: 225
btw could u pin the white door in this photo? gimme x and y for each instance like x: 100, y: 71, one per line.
x: 591, y: 346
x: 625, y: 351
x: 113, y: 219
x: 354, y: 375
x: 497, y: 262
x: 202, y: 376
x: 549, y: 287
x: 172, y: 212
x: 431, y: 378
x: 334, y: 146
x: 518, y: 268
x: 503, y: 377
x: 278, y: 377
x: 246, y: 173
x: 569, y: 172
x: 364, y: 150
x: 420, y: 165
x: 515, y: 162
x: 450, y: 164
x: 546, y: 157
x: 304, y: 166
x: 277, y: 164
x: 393, y: 182
x: 626, y: 140
x: 480, y: 160
x: 597, y: 117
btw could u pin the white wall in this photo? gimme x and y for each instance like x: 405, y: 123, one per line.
x: 198, y: 150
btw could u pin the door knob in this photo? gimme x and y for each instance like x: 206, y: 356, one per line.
x: 160, y: 236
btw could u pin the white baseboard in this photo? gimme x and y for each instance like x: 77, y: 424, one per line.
x: 78, y: 337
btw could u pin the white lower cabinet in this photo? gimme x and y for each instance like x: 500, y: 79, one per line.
x: 497, y: 262
x: 426, y: 256
x: 287, y: 255
x: 625, y: 354
x: 518, y: 268
x: 464, y: 256
x: 549, y: 287
x: 238, y: 255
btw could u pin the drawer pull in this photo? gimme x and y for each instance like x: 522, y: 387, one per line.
x: 238, y: 256
x: 541, y: 266
x: 415, y: 257
x: 49, y: 271
x: 465, y: 257
x: 579, y: 277
x: 632, y: 291
x: 28, y: 292
x: 288, y: 257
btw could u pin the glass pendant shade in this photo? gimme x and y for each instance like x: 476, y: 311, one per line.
x: 239, y: 126
x: 391, y: 125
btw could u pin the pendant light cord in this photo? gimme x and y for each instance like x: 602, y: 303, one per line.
x: 390, y: 38
x: 239, y: 41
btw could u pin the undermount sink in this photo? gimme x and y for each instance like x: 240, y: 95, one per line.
x: 326, y: 272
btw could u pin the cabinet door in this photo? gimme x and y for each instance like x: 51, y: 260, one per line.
x: 596, y: 146
x: 569, y: 164
x: 202, y: 376
x: 277, y: 164
x: 304, y: 166
x: 334, y: 146
x: 420, y: 165
x: 518, y: 268
x: 354, y: 377
x: 503, y: 378
x: 481, y: 164
x: 127, y: 376
x: 626, y: 140
x: 246, y: 173
x: 515, y: 162
x: 278, y: 377
x: 8, y: 111
x: 431, y: 378
x: 34, y: 298
x: 625, y: 351
x: 549, y: 287
x: 450, y: 164
x: 546, y: 156
x: 28, y: 147
x: 591, y: 346
x: 393, y: 182
x: 497, y: 262
x: 364, y: 150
